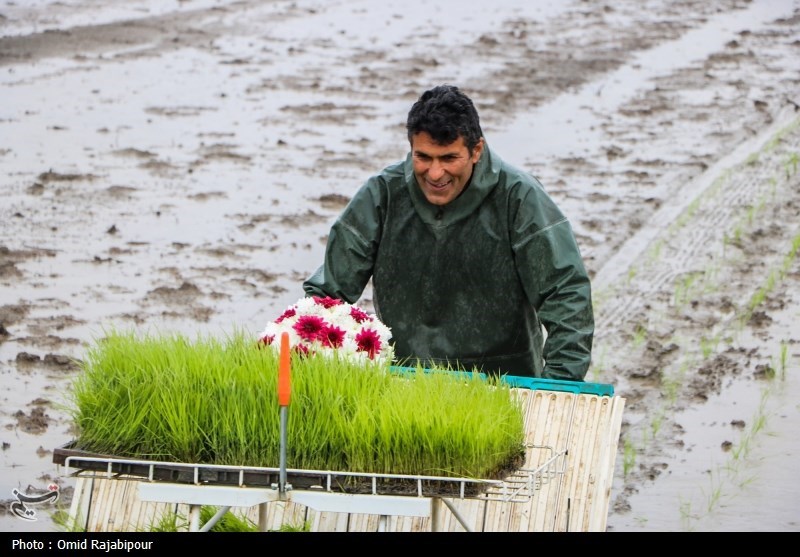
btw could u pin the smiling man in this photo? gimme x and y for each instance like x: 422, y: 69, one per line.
x: 473, y: 265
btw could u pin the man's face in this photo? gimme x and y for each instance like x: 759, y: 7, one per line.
x: 442, y: 171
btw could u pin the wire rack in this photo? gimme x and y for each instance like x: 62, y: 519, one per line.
x: 519, y: 487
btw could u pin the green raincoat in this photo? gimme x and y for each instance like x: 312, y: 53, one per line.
x: 469, y: 284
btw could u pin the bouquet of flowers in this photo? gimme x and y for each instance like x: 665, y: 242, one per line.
x: 325, y: 326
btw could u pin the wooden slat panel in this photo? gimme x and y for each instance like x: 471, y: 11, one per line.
x: 593, y: 499
x: 278, y: 512
x: 406, y: 524
x: 96, y: 503
x: 585, y: 426
x: 294, y: 515
x: 472, y: 510
x: 100, y: 507
x: 81, y: 503
x: 331, y: 522
x: 609, y: 445
x: 122, y: 504
x: 360, y: 522
x: 552, y: 445
x: 499, y: 514
x: 139, y: 510
x: 134, y: 517
x: 110, y: 510
x: 149, y: 518
x: 536, y: 408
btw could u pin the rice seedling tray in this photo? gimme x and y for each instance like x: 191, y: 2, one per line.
x: 521, y: 482
x: 114, y: 467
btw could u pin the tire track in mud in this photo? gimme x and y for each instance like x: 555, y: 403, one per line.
x: 679, y: 322
x: 724, y: 199
x: 712, y: 220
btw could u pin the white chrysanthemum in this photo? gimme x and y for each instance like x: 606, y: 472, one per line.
x: 308, y: 306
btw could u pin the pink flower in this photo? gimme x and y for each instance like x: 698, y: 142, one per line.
x: 359, y: 315
x: 291, y: 312
x: 369, y: 341
x: 327, y: 302
x: 267, y: 339
x: 331, y: 337
x: 309, y: 326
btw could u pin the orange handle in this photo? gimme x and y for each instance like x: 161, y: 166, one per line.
x: 284, y: 373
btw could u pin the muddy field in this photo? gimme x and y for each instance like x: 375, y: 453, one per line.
x: 176, y: 166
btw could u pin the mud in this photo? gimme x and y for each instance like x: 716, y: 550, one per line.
x: 176, y: 165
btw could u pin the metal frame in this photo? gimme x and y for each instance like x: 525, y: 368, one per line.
x: 426, y: 500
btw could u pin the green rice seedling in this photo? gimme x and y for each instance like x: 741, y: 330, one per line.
x: 745, y: 482
x: 791, y: 165
x: 685, y: 288
x: 639, y: 335
x: 689, y: 212
x: 783, y: 360
x: 230, y: 521
x: 772, y: 279
x: 757, y: 423
x: 708, y: 346
x: 65, y: 522
x: 168, y: 522
x: 795, y: 247
x: 760, y: 295
x: 214, y: 401
x: 737, y: 235
x: 599, y: 298
x: 598, y: 366
x: 710, y: 282
x: 685, y: 510
x: 655, y: 423
x: 773, y: 188
x: 304, y: 527
x: 656, y: 250
x: 726, y: 241
x: 628, y: 457
x: 178, y: 522
x: 715, y: 494
x: 750, y: 214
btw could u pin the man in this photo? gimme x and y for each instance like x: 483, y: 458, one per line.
x: 469, y: 257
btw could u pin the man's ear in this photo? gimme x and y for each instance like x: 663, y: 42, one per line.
x: 477, y: 151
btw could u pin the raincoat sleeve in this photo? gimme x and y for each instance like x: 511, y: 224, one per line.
x: 351, y: 248
x: 555, y: 280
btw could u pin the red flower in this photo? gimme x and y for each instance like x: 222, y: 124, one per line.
x: 359, y: 315
x: 327, y: 301
x: 309, y: 326
x: 331, y: 337
x: 291, y: 312
x: 369, y: 341
x: 267, y: 339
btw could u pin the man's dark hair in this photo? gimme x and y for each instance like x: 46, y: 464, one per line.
x: 445, y: 113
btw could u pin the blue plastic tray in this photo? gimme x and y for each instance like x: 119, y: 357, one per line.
x: 534, y: 383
